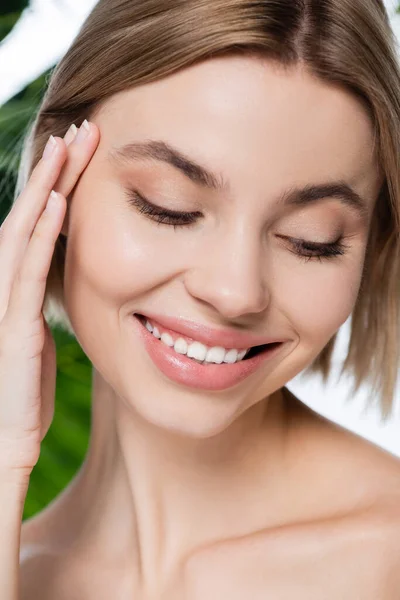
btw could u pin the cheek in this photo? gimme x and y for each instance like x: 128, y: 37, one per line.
x: 114, y: 256
x: 317, y: 298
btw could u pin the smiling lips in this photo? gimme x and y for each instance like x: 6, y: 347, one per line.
x: 193, y: 348
x: 186, y: 371
x: 197, y: 332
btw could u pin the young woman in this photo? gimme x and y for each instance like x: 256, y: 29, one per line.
x: 230, y: 199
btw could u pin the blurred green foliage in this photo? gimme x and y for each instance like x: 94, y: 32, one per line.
x: 65, y: 445
x: 12, y: 6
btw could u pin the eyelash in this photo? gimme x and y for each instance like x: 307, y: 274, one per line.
x: 162, y: 216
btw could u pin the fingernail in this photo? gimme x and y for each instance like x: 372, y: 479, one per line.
x: 70, y: 135
x: 49, y: 148
x: 83, y: 132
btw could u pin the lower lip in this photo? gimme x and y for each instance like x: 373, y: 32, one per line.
x: 186, y: 371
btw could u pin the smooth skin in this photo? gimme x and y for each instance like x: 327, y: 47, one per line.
x: 246, y: 493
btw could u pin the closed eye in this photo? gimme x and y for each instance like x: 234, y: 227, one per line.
x: 315, y: 250
x: 162, y: 216
x: 305, y: 249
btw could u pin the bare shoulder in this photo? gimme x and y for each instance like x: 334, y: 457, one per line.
x: 350, y: 556
x: 346, y: 559
x: 340, y: 457
x: 340, y: 537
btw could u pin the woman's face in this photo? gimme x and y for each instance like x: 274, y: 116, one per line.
x: 263, y: 133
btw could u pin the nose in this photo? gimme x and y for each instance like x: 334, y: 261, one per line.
x: 230, y: 276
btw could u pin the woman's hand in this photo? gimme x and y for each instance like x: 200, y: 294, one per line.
x: 27, y: 348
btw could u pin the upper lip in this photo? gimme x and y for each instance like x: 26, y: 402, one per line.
x: 227, y: 338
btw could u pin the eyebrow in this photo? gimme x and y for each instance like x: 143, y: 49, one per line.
x: 161, y: 151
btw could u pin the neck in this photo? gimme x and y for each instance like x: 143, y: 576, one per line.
x: 152, y: 498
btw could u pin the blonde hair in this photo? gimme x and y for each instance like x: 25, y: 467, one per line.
x: 345, y: 42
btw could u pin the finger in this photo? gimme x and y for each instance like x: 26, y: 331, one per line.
x: 68, y: 138
x: 21, y: 221
x: 28, y: 207
x: 28, y: 288
x: 70, y: 135
x: 80, y: 152
x: 59, y: 165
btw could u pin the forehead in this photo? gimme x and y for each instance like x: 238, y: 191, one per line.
x: 247, y: 116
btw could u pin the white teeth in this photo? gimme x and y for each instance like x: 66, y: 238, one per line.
x: 181, y: 346
x: 167, y: 339
x: 216, y: 355
x: 231, y: 356
x: 197, y: 350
